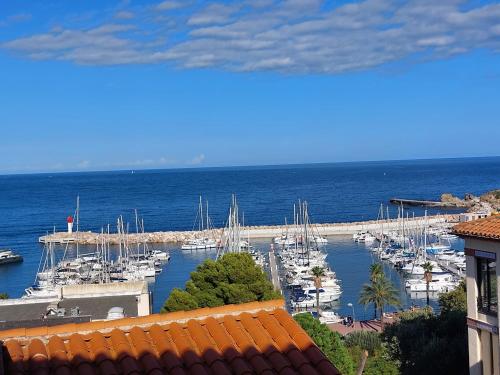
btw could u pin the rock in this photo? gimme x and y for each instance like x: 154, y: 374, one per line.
x: 492, y: 199
x: 451, y: 200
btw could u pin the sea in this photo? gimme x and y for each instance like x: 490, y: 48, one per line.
x: 33, y: 204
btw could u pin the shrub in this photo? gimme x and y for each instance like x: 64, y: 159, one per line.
x: 328, y: 341
x: 369, y: 341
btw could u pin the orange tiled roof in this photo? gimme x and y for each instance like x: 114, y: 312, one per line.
x: 488, y: 227
x: 252, y: 338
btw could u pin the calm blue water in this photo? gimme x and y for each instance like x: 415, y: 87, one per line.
x: 31, y: 205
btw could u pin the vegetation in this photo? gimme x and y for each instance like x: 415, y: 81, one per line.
x: 424, y: 343
x: 427, y: 266
x: 367, y: 340
x: 380, y: 291
x: 234, y: 278
x: 377, y: 363
x: 346, y: 353
x: 317, y: 272
x: 420, y: 342
x: 180, y: 300
x: 454, y: 301
x: 376, y: 272
x: 4, y: 296
x: 329, y: 342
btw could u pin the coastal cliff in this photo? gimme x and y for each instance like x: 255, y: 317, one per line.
x: 488, y: 202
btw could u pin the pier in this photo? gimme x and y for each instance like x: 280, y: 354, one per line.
x: 448, y: 266
x: 274, y: 271
x: 422, y: 203
x: 268, y: 231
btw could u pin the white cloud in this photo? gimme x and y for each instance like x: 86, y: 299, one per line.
x: 171, y: 5
x: 289, y: 36
x: 15, y: 18
x: 150, y: 162
x: 213, y: 14
x: 197, y: 160
x: 124, y: 15
x: 84, y: 164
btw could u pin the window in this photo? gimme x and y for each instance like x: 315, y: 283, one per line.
x: 487, y: 286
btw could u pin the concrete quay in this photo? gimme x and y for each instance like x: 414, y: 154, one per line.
x: 269, y: 231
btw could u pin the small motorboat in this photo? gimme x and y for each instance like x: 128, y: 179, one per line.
x: 8, y: 256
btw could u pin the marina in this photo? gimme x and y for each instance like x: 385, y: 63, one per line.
x: 154, y: 229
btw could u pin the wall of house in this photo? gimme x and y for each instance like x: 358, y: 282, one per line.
x: 483, y: 338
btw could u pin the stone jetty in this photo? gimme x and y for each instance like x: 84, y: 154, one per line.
x: 269, y: 231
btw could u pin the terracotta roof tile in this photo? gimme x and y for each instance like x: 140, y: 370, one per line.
x: 38, y: 357
x: 15, y: 357
x: 254, y: 338
x: 59, y: 360
x: 246, y: 345
x: 488, y: 227
x: 103, y: 355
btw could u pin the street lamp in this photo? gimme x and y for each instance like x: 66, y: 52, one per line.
x: 353, y: 317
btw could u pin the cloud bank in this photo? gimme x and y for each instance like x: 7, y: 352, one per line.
x: 293, y: 36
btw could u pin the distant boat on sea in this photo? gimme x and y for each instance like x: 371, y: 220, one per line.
x: 8, y: 256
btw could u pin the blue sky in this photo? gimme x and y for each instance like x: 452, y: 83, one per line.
x: 92, y: 85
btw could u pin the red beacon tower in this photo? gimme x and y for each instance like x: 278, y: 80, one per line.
x: 69, y: 220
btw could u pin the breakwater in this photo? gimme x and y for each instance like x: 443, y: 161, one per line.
x: 268, y: 231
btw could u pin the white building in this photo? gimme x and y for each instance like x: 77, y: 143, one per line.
x: 482, y: 249
x: 471, y: 216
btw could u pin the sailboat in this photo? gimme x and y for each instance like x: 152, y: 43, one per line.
x: 205, y: 241
x: 45, y: 285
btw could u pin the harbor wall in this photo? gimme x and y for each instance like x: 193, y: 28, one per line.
x: 269, y: 231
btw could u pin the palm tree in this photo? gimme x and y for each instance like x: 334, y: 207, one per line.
x: 427, y: 266
x: 318, y: 273
x: 381, y: 292
x: 376, y: 272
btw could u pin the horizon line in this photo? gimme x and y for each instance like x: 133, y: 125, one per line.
x: 194, y: 168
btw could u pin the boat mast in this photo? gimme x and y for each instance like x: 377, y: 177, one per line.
x: 77, y: 225
x: 207, y: 220
x: 425, y: 235
x: 403, y: 226
x: 200, y: 212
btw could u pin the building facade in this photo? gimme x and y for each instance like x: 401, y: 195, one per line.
x: 482, y: 250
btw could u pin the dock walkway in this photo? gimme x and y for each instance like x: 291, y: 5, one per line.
x: 274, y: 271
x: 450, y: 267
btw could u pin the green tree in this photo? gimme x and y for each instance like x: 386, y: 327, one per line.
x: 328, y: 341
x: 427, y: 266
x: 424, y: 343
x: 318, y: 273
x: 454, y: 301
x: 180, y: 300
x: 4, y: 296
x: 376, y: 272
x: 380, y: 292
x: 233, y: 278
x: 378, y: 361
